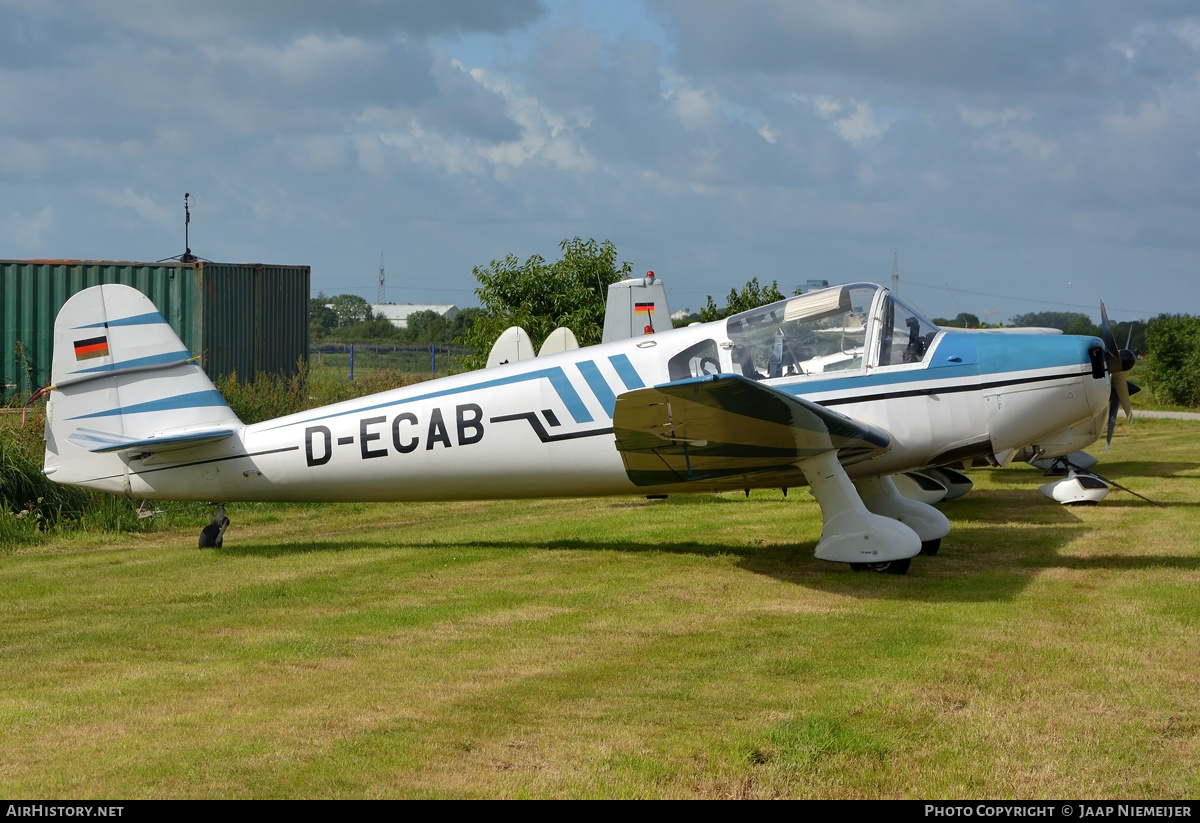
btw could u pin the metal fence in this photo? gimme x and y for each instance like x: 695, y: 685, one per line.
x: 348, y: 359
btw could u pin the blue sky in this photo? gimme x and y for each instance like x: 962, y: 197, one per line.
x: 1017, y: 156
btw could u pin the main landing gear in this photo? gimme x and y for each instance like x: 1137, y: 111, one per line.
x: 212, y: 535
x: 868, y: 523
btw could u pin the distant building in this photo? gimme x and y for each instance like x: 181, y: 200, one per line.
x: 682, y: 314
x: 397, y: 313
x: 813, y: 285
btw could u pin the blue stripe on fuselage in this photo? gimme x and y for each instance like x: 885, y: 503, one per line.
x: 598, y: 385
x: 626, y: 371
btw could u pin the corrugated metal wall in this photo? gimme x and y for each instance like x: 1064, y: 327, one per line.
x: 241, y: 317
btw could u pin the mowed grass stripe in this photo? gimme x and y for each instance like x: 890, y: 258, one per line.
x: 691, y: 647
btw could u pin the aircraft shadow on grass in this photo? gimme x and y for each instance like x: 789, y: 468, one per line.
x: 981, y: 550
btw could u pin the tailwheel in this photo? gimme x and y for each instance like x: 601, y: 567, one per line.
x: 887, y: 567
x: 930, y: 547
x: 213, y: 535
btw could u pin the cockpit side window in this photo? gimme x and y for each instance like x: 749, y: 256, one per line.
x: 695, y: 361
x: 813, y: 333
x: 906, y: 334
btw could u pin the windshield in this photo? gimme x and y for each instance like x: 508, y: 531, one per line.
x: 813, y: 333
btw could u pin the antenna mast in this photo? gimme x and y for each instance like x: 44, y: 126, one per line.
x: 382, y: 287
x: 895, y: 272
x: 187, y: 256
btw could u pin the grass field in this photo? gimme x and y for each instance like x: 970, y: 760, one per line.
x: 691, y: 647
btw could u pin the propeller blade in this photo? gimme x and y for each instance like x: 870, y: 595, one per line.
x: 1113, y: 403
x: 1120, y: 388
x: 1110, y: 342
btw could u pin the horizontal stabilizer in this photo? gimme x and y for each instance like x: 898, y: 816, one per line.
x: 725, y: 425
x: 102, y: 442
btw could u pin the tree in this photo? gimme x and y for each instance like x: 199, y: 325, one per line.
x: 540, y: 296
x: 426, y: 327
x: 751, y: 296
x: 1173, y: 355
x: 462, y: 322
x: 376, y: 330
x: 350, y: 308
x: 1052, y: 319
x: 1083, y: 325
x: 321, y: 318
x: 963, y: 320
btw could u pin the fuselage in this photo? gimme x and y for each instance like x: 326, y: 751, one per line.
x: 544, y: 428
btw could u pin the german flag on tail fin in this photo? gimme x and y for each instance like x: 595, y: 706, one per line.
x: 91, y: 348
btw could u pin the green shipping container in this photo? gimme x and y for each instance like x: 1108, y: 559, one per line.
x: 239, y: 317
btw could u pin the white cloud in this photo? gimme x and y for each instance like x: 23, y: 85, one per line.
x: 545, y: 134
x: 696, y: 109
x: 857, y: 126
x: 143, y: 205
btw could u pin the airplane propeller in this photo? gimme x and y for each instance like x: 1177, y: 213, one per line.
x: 1118, y: 361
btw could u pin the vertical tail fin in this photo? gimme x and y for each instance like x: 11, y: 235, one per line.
x: 123, y: 385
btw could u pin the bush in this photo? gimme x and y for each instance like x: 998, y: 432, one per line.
x: 1173, y: 359
x: 274, y: 395
x: 32, y: 505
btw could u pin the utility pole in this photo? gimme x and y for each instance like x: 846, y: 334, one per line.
x: 382, y: 287
x: 895, y: 272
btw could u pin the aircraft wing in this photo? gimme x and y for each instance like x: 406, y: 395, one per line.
x: 725, y: 425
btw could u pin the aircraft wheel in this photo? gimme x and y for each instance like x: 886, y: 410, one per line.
x: 213, y: 535
x: 896, y: 566
x: 930, y: 547
x: 887, y: 567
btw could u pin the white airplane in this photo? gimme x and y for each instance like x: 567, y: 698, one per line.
x: 836, y: 389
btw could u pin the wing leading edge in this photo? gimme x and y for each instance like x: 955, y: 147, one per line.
x: 724, y: 426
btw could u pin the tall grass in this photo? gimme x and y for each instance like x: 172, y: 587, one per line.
x: 31, y: 505
x: 274, y: 395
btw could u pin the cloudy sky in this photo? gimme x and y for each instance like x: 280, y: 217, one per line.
x: 1017, y: 156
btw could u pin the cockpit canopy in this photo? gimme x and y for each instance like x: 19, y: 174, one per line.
x: 829, y: 330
